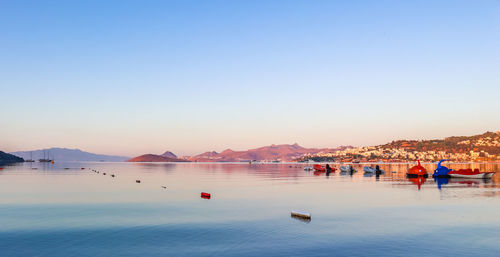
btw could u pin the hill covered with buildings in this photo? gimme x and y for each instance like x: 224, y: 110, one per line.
x: 484, y: 147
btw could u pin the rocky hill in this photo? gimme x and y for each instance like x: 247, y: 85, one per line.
x: 483, y: 147
x: 284, y: 152
x: 487, y: 142
x: 9, y: 158
x: 169, y: 154
x: 157, y: 158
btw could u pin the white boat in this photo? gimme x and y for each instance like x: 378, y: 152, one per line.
x: 308, y: 168
x: 347, y: 168
x: 479, y: 175
x: 367, y: 169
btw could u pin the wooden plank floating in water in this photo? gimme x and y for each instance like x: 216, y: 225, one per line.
x: 301, y: 214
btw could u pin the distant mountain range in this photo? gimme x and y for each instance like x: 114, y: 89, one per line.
x: 9, y: 158
x: 64, y: 154
x: 477, y: 148
x: 283, y: 152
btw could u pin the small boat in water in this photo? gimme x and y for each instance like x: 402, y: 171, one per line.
x: 417, y: 171
x: 444, y: 172
x: 348, y: 168
x: 321, y: 168
x: 46, y: 159
x: 31, y: 158
x: 301, y: 214
x: 441, y: 171
x: 368, y: 169
x: 469, y: 173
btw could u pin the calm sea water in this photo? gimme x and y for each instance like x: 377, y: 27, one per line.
x: 61, y: 210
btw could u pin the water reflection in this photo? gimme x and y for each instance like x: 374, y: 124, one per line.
x: 249, y: 213
x: 441, y: 181
x: 419, y: 181
x: 301, y: 219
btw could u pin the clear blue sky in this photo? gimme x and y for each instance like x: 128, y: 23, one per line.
x: 133, y: 77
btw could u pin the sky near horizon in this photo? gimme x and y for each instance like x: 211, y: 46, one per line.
x: 135, y: 77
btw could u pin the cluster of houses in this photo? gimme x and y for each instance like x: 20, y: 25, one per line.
x: 382, y: 153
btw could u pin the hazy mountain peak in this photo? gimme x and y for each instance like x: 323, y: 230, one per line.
x: 169, y: 154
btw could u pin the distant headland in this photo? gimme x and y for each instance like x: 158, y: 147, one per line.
x: 9, y: 158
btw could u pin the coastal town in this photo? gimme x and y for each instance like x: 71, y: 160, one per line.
x: 480, y: 148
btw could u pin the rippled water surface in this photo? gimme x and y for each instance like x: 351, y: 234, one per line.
x: 62, y: 210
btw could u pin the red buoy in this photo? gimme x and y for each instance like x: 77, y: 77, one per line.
x: 205, y: 195
x: 83, y: 168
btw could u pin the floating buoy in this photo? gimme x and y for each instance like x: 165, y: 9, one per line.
x: 113, y: 175
x: 104, y: 173
x: 164, y: 187
x: 137, y: 181
x: 205, y: 195
x: 301, y: 214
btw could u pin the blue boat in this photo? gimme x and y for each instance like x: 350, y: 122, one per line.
x: 441, y: 171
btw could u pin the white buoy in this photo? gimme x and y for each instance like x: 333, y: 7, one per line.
x: 301, y: 214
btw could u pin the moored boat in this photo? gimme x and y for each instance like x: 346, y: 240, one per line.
x: 321, y: 168
x: 442, y: 171
x: 347, y: 168
x: 469, y: 173
x: 368, y: 169
x: 417, y: 171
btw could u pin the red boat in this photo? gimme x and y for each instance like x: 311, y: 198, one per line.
x: 469, y: 173
x: 321, y: 168
x: 417, y: 171
x: 205, y: 195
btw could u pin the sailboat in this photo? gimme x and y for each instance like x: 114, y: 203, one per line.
x: 45, y: 159
x: 31, y: 158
